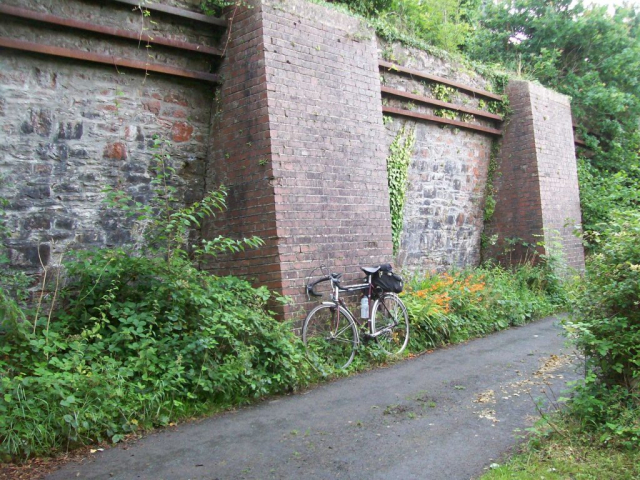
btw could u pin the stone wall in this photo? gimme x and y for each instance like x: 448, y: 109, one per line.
x: 443, y: 214
x: 68, y: 129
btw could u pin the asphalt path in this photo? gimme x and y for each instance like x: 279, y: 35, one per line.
x: 444, y: 415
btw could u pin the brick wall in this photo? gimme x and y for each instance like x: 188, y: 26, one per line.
x: 443, y: 214
x: 68, y: 129
x: 328, y: 155
x: 305, y: 153
x: 558, y: 174
x: 537, y: 187
x: 240, y: 155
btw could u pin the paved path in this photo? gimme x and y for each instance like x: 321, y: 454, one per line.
x: 446, y: 415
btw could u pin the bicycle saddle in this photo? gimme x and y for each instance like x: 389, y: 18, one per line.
x: 370, y: 270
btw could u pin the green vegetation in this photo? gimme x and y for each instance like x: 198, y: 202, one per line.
x: 138, y: 337
x: 456, y: 306
x: 400, y: 153
x: 565, y: 452
x: 606, y: 329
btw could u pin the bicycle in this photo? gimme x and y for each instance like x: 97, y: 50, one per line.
x: 331, y: 332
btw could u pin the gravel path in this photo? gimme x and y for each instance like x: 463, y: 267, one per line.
x: 445, y: 415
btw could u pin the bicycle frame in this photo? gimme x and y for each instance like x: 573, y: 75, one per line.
x: 332, y: 323
x: 337, y: 301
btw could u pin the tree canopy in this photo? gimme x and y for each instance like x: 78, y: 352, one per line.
x: 585, y: 52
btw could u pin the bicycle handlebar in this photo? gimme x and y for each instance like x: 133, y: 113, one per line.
x: 334, y: 277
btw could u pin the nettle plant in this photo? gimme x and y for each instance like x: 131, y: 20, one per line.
x: 140, y: 337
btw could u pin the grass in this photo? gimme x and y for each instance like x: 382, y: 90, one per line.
x: 567, y: 454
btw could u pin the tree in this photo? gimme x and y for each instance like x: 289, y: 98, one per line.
x: 590, y: 55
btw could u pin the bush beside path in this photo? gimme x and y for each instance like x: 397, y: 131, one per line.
x: 448, y: 414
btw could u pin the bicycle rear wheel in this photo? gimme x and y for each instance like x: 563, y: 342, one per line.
x: 390, y: 323
x: 330, y: 335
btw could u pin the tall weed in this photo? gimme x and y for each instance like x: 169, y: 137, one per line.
x: 456, y: 306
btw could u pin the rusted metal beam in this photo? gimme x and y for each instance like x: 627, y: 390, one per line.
x: 105, y: 59
x: 439, y: 103
x: 115, y: 32
x: 460, y: 86
x: 445, y: 121
x: 177, y: 12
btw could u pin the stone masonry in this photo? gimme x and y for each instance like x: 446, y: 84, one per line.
x: 69, y: 129
x: 443, y: 213
x: 538, y: 200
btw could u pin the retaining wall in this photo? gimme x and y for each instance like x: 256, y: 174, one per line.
x: 68, y: 128
x: 295, y: 131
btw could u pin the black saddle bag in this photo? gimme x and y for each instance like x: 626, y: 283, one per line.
x: 387, y: 280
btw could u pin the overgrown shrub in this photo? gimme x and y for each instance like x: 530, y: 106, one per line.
x: 139, y: 342
x: 139, y: 337
x: 453, y: 307
x: 606, y: 328
x: 606, y: 321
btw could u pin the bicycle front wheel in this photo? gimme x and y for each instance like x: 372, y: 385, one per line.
x: 390, y: 324
x: 330, y: 335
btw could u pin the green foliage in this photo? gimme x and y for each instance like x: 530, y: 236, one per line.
x: 442, y: 23
x: 605, y: 326
x: 13, y: 284
x: 606, y: 314
x: 443, y: 93
x: 400, y: 153
x: 368, y: 8
x: 218, y: 7
x: 454, y: 307
x: 141, y: 337
x: 592, y: 56
x: 560, y: 450
x: 139, y: 342
x: 601, y: 191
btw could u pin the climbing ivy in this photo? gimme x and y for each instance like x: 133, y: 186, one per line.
x: 444, y: 94
x: 397, y: 167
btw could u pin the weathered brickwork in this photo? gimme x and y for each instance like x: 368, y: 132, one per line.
x: 240, y: 155
x: 295, y: 133
x: 69, y: 129
x: 307, y: 153
x: 328, y: 154
x: 537, y: 186
x: 443, y: 214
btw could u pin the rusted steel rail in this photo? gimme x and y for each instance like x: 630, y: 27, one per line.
x: 106, y: 59
x: 439, y: 103
x: 114, y: 32
x: 177, y: 12
x: 432, y: 118
x: 433, y: 78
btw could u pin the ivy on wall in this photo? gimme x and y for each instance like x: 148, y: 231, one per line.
x: 397, y: 168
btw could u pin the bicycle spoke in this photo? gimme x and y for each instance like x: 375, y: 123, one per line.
x: 323, y: 345
x: 391, y: 322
